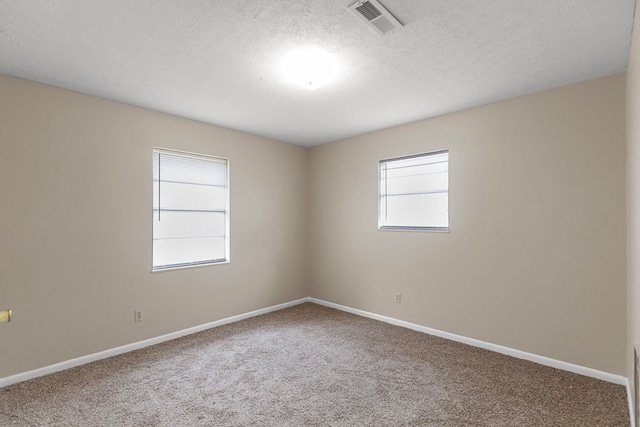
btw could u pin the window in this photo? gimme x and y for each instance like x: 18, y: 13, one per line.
x: 190, y: 209
x: 414, y: 192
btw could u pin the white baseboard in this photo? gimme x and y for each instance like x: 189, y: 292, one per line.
x: 632, y: 415
x: 605, y: 376
x: 24, y: 376
x: 542, y: 360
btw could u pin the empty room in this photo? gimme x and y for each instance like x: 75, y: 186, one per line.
x: 338, y: 213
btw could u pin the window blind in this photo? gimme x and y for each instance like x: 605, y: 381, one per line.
x: 190, y: 209
x: 414, y: 192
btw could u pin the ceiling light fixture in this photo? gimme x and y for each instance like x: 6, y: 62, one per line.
x: 310, y: 68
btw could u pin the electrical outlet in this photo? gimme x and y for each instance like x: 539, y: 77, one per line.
x: 398, y: 297
x: 137, y: 316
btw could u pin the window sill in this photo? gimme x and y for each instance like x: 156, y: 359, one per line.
x: 186, y: 267
x: 428, y: 229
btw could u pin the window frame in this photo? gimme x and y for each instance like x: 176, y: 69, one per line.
x: 382, y: 196
x: 194, y: 264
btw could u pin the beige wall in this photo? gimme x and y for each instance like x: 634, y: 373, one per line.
x: 633, y: 198
x: 535, y: 259
x: 75, y: 231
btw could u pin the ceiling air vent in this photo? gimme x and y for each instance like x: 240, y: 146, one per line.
x: 375, y: 16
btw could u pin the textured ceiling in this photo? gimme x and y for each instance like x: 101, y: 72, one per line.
x: 220, y: 61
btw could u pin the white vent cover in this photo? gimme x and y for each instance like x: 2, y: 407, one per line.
x: 379, y: 19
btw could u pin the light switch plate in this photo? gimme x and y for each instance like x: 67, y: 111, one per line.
x: 5, y: 316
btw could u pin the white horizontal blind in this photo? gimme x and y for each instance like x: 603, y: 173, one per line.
x: 190, y: 209
x: 414, y: 192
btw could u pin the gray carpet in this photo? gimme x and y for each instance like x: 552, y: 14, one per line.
x: 313, y: 366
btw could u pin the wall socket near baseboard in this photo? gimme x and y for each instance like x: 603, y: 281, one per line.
x: 137, y: 316
x: 398, y: 297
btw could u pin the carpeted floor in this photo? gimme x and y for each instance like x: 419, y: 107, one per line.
x: 313, y: 366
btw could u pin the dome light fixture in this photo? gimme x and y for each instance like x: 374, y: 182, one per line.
x: 310, y: 68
